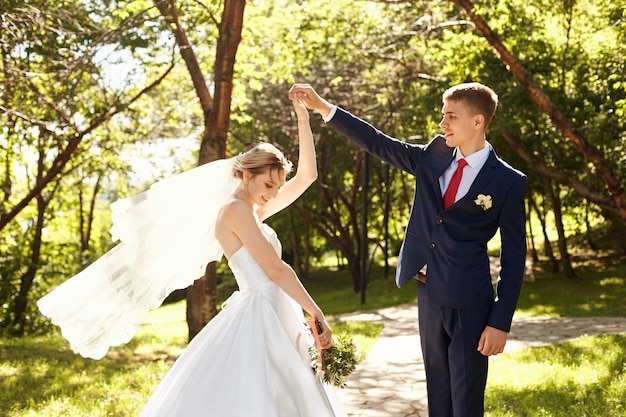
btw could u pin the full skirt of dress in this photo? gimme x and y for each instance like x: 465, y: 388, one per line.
x: 251, y: 360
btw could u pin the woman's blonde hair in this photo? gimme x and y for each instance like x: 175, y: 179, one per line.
x: 261, y: 158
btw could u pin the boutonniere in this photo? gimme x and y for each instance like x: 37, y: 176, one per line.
x: 484, y: 201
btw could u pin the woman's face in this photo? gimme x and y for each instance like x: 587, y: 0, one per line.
x: 263, y: 187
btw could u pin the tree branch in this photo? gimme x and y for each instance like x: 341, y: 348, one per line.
x: 527, y: 82
x: 540, y: 166
x: 64, y: 156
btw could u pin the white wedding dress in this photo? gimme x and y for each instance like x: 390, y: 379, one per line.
x: 251, y: 360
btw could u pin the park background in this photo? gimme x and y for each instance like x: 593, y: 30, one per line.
x: 100, y: 99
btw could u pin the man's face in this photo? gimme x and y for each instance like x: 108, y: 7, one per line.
x: 459, y: 123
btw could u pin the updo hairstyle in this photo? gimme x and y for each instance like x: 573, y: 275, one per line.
x: 261, y: 158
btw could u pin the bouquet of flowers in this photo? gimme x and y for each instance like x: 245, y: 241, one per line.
x: 335, y: 364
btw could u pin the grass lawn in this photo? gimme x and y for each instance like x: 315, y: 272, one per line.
x: 585, y: 377
x: 598, y: 291
x: 582, y: 378
x: 40, y: 376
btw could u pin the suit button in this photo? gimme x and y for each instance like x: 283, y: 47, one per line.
x: 432, y: 246
x: 439, y: 221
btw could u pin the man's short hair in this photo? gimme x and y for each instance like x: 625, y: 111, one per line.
x: 480, y: 98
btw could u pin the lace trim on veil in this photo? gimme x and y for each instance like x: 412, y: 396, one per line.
x: 166, y: 236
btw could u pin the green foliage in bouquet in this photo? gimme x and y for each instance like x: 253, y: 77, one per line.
x: 338, y: 362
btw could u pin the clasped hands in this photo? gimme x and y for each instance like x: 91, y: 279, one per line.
x: 306, y: 95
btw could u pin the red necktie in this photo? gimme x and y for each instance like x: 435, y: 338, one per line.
x: 450, y: 195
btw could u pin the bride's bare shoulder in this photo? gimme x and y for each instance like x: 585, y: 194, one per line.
x: 234, y: 210
x: 229, y: 219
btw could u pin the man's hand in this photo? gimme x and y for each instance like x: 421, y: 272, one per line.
x: 307, y: 96
x: 492, y: 341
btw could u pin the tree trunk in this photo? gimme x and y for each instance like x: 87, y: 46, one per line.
x: 26, y: 282
x: 20, y: 304
x: 202, y: 295
x: 590, y: 241
x: 558, y: 220
x: 589, y: 238
x: 202, y: 301
x: 547, y: 246
x: 524, y: 78
x: 217, y: 119
x: 386, y: 213
x: 531, y: 234
x: 618, y: 230
x: 86, y: 220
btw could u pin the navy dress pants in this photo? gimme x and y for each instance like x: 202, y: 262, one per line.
x: 456, y: 373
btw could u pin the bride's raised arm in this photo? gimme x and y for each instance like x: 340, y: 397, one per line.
x: 306, y: 172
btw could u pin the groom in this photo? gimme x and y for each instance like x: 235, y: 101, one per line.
x: 464, y: 193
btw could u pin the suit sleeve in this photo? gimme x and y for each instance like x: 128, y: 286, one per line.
x: 512, y: 256
x: 393, y: 151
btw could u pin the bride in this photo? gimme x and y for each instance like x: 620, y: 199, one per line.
x: 253, y: 358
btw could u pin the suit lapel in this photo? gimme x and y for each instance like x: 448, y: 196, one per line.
x: 438, y: 168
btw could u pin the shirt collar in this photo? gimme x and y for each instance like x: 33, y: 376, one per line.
x: 477, y: 159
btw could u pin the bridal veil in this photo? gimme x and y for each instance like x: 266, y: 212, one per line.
x: 166, y: 239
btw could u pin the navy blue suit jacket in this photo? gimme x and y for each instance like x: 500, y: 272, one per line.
x: 453, y: 242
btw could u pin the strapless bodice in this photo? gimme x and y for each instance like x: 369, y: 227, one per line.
x: 248, y: 272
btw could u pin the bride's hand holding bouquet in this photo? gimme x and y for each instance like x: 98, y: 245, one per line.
x: 336, y: 362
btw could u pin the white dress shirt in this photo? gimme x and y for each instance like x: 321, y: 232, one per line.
x: 475, y: 162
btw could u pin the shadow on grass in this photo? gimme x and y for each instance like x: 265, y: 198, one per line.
x: 597, y: 292
x: 37, y: 369
x: 585, y: 377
